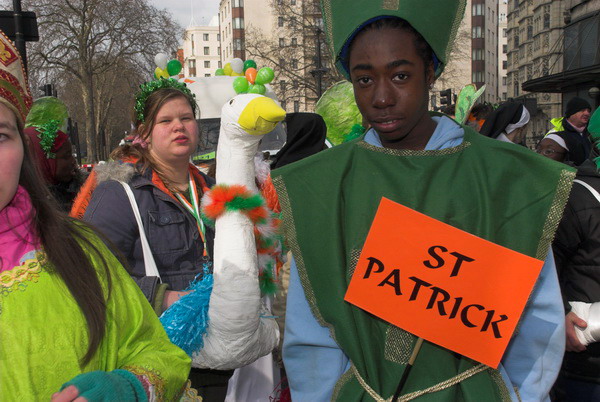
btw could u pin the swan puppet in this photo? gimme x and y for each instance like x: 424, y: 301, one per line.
x: 236, y: 328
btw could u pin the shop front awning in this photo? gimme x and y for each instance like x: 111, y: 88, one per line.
x: 563, y: 82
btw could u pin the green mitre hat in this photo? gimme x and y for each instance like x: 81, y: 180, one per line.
x: 436, y: 20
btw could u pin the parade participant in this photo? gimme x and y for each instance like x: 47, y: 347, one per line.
x: 73, y: 324
x: 574, y: 125
x: 156, y: 167
x: 578, y: 262
x: 562, y: 147
x: 168, y: 190
x: 52, y: 150
x: 507, y: 123
x: 392, y: 51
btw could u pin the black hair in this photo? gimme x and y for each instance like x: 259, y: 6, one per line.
x: 422, y: 47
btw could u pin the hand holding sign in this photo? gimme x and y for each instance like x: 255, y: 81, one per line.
x: 445, y: 285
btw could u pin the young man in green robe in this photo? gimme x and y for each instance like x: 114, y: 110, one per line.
x: 392, y: 51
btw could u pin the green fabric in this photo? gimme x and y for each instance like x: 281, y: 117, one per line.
x: 437, y: 22
x: 102, y: 386
x: 44, y: 334
x: 159, y: 297
x: 45, y: 109
x: 498, y: 191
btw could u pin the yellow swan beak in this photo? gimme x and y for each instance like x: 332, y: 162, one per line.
x: 260, y: 116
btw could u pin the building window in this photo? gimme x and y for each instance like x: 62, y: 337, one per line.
x: 292, y: 22
x: 294, y: 42
x: 218, y: 37
x: 478, y: 32
x: 296, y: 106
x: 281, y: 42
x: 192, y: 63
x: 478, y: 76
x: 282, y: 85
x: 478, y: 9
x: 280, y: 22
x: 478, y: 54
x: 205, y: 37
x: 503, y: 95
x: 238, y: 3
x: 294, y: 64
x: 206, y: 50
x: 219, y: 64
x: 504, y: 49
x: 293, y: 2
x: 516, y: 41
x: 218, y: 50
x: 282, y: 63
x: 238, y: 23
x: 207, y: 64
x: 237, y: 44
x: 504, y: 64
x: 504, y: 32
x: 546, y: 21
x: 503, y: 80
x: 529, y: 32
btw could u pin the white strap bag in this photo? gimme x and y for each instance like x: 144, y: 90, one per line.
x: 149, y: 263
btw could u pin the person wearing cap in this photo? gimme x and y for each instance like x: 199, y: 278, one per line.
x: 73, y: 324
x: 574, y: 125
x: 562, y: 147
x: 507, y: 123
x: 392, y: 51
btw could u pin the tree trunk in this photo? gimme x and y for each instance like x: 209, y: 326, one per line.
x: 87, y: 87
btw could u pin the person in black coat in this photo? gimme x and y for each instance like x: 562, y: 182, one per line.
x: 577, y: 253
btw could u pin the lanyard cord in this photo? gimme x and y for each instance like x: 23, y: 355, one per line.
x: 195, y: 211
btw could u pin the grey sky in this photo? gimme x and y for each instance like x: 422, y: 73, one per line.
x: 181, y: 10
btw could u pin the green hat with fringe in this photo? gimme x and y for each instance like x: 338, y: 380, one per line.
x: 436, y: 20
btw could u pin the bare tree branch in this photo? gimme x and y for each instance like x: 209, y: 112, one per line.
x: 99, y: 50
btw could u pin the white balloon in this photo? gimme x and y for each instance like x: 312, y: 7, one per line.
x: 161, y: 60
x: 237, y: 65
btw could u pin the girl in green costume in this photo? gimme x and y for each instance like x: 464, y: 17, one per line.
x: 73, y: 325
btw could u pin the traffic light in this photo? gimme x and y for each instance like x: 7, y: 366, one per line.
x: 446, y: 97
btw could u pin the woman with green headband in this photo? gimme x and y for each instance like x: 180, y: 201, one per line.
x: 167, y: 190
x: 392, y: 51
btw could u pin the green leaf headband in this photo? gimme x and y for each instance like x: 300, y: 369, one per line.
x: 148, y: 88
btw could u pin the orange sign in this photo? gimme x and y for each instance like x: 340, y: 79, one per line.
x: 442, y: 284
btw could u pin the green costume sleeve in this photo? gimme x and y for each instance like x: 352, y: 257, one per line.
x: 141, y: 343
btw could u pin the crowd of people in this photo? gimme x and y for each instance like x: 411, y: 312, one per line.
x: 88, y: 264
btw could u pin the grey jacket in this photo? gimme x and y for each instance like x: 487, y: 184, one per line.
x: 171, y: 230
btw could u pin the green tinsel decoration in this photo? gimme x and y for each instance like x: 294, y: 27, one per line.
x: 266, y: 281
x: 47, y: 135
x: 356, y: 131
x: 148, y: 88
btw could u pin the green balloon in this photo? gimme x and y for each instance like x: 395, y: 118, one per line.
x: 219, y: 71
x: 257, y: 89
x: 173, y: 67
x: 264, y: 76
x: 249, y: 64
x: 240, y: 85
